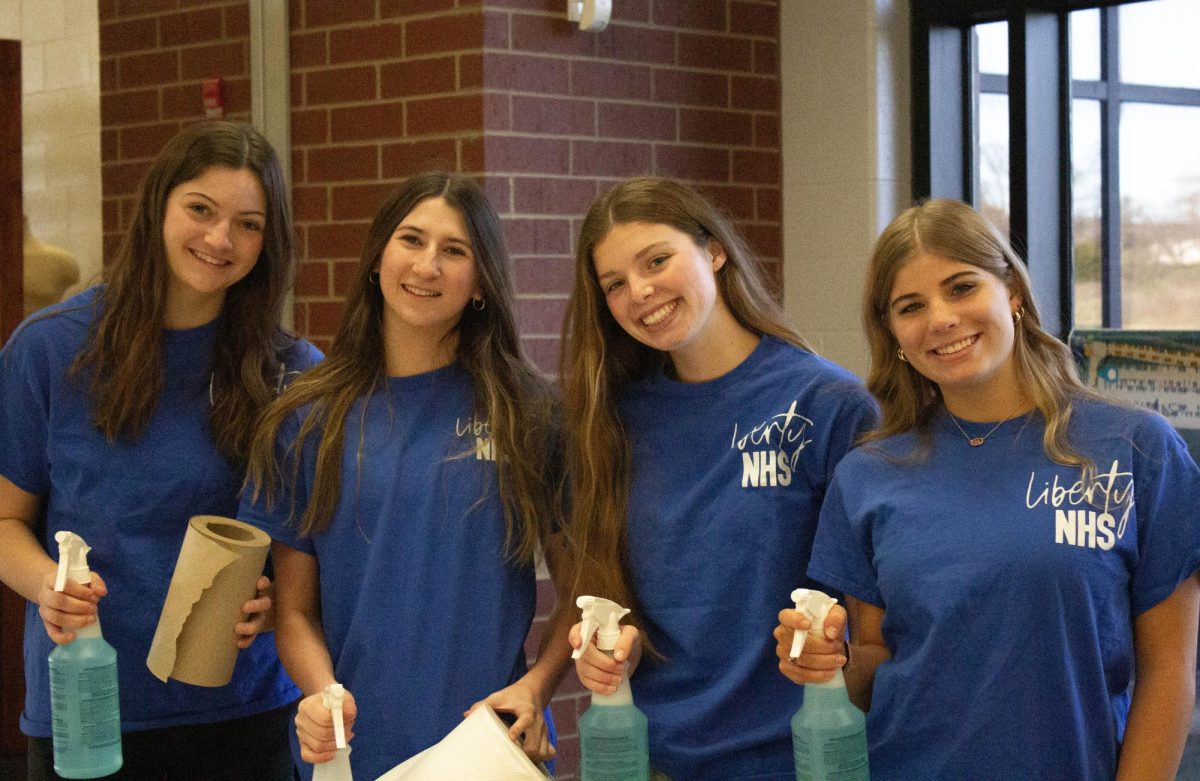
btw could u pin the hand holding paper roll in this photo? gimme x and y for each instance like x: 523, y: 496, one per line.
x: 260, y: 613
x: 219, y: 565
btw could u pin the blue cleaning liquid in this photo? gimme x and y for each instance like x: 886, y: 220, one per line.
x: 613, y: 739
x: 613, y: 744
x: 84, y: 706
x: 829, y: 735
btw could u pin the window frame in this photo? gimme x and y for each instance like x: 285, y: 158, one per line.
x: 945, y: 81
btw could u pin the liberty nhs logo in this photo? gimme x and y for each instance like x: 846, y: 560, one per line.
x: 770, y: 449
x: 481, y: 430
x: 1092, y: 512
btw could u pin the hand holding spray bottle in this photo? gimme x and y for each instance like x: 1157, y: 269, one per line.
x: 333, y: 697
x: 829, y: 734
x: 83, y: 684
x: 613, y: 739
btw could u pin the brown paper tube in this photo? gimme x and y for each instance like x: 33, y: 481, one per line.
x: 219, y: 564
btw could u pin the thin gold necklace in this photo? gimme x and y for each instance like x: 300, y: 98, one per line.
x: 977, y: 441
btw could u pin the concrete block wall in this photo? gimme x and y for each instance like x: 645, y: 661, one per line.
x: 60, y: 118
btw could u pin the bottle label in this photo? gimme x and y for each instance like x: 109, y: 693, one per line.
x: 610, y: 757
x: 830, y: 758
x: 93, y: 720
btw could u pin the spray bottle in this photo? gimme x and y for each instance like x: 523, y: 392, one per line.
x: 338, y: 768
x: 829, y: 734
x: 83, y: 684
x: 613, y: 738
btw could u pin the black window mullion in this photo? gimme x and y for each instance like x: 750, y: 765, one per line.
x: 1110, y: 172
x: 941, y: 106
x: 1039, y: 157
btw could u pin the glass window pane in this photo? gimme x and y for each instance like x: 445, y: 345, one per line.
x: 1085, y: 210
x: 991, y: 159
x: 993, y: 47
x: 1160, y: 216
x: 1085, y: 45
x: 1158, y: 43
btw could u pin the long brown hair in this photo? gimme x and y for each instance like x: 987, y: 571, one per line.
x: 908, y: 400
x: 599, y: 359
x: 516, y: 400
x: 124, y: 349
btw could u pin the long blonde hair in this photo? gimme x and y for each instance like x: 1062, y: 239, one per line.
x: 908, y: 400
x: 599, y: 359
x: 517, y: 402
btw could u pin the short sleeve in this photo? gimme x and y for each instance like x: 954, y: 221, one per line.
x: 1167, y: 487
x: 274, y: 513
x: 25, y: 382
x: 858, y: 414
x: 842, y: 554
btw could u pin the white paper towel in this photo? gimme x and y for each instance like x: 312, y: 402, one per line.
x: 478, y: 749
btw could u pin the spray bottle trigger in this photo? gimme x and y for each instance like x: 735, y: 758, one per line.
x: 588, y: 626
x: 814, y: 604
x: 332, y: 697
x: 72, y: 560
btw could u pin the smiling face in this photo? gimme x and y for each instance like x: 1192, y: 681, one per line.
x: 212, y: 234
x: 954, y: 322
x: 427, y: 273
x: 661, y: 287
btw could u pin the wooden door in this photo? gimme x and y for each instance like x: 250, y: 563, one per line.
x: 12, y: 607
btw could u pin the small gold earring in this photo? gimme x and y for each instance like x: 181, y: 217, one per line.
x: 900, y: 355
x: 1018, y: 313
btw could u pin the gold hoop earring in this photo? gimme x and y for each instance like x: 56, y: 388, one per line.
x: 1018, y: 313
x: 900, y: 355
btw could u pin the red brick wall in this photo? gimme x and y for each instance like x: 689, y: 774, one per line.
x: 154, y: 54
x: 545, y: 115
x: 688, y: 90
x: 379, y: 91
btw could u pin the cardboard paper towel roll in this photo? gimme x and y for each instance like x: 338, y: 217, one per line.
x: 219, y: 564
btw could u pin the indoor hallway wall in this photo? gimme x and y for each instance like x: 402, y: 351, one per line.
x: 546, y: 116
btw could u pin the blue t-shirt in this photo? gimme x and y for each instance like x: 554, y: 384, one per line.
x: 422, y: 611
x: 130, y: 501
x: 727, y: 480
x: 1010, y: 587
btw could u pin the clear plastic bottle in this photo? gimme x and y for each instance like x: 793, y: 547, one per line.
x: 613, y: 734
x: 829, y: 734
x: 84, y: 705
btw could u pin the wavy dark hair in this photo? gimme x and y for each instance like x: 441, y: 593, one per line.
x: 515, y: 399
x: 124, y: 349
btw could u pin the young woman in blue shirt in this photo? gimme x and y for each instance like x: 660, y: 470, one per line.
x: 1018, y: 555
x: 128, y: 409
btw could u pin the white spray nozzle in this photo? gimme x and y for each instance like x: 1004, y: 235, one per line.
x: 72, y: 560
x: 603, y: 615
x: 814, y: 604
x: 332, y: 697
